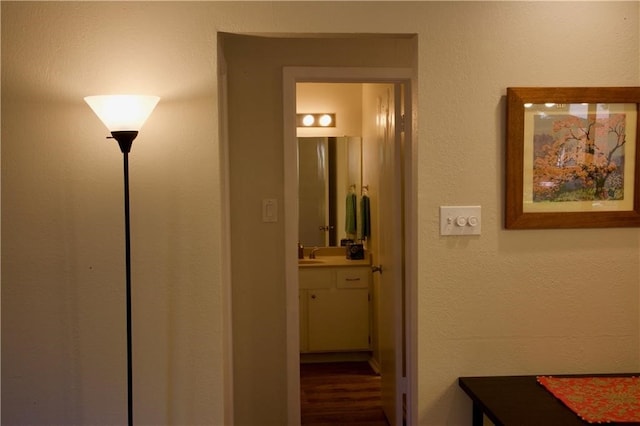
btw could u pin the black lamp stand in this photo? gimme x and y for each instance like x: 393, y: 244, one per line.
x: 125, y: 139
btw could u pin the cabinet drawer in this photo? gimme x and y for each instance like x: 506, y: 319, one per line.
x: 315, y: 278
x: 353, y: 278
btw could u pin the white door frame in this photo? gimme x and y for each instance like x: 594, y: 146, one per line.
x: 291, y: 76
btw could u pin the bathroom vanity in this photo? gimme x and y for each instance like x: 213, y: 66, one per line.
x: 335, y: 305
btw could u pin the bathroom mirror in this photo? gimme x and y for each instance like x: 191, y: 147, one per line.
x: 328, y: 168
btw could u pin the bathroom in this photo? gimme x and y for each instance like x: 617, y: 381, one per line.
x: 339, y: 289
x: 352, y: 174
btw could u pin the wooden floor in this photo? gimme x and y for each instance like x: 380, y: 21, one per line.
x: 340, y: 393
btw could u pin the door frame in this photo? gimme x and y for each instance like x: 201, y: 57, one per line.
x: 291, y: 76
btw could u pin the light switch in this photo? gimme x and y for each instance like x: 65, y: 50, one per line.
x: 460, y: 220
x: 269, y: 210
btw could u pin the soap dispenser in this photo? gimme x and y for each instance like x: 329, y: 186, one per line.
x: 300, y: 251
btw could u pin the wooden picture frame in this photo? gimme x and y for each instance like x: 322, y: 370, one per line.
x: 572, y: 157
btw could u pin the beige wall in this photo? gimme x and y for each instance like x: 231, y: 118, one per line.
x: 508, y: 302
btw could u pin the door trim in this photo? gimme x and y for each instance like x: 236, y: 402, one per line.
x: 291, y: 76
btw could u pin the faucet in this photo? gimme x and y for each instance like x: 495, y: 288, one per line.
x: 312, y: 255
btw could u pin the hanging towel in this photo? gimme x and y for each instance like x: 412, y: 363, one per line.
x: 351, y: 220
x: 365, y: 211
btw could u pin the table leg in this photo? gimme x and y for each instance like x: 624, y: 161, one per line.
x: 477, y: 416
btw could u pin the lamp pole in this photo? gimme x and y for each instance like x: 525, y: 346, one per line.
x: 125, y: 139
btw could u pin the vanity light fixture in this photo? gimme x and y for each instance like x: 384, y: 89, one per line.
x: 316, y: 120
x: 124, y: 115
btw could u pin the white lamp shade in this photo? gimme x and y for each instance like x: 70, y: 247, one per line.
x: 122, y: 112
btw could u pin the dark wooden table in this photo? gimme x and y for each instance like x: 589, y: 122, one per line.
x: 518, y: 401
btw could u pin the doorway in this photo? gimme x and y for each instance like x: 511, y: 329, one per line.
x: 396, y: 147
x: 259, y: 187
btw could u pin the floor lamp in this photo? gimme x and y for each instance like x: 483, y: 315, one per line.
x: 124, y: 115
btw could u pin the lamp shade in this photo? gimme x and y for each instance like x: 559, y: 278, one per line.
x: 122, y: 112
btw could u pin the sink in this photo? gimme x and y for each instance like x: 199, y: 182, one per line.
x: 309, y: 261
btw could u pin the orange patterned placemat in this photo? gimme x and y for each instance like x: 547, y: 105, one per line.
x: 598, y: 399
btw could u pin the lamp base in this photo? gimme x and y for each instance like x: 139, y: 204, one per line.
x: 125, y: 139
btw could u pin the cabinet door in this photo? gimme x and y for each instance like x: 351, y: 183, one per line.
x: 338, y: 320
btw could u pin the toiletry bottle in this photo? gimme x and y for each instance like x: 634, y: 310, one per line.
x: 300, y: 251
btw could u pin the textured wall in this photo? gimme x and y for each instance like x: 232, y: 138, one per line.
x: 502, y: 303
x: 63, y: 317
x: 515, y: 302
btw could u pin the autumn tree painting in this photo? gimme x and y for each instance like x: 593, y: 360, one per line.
x: 578, y: 157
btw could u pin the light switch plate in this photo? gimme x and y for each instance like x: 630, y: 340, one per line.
x: 269, y: 210
x: 460, y: 220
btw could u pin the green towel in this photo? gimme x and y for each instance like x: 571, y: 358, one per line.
x: 351, y: 220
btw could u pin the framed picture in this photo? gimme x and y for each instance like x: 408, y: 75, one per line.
x: 572, y: 157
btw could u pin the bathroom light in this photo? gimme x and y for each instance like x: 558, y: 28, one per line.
x: 316, y: 120
x: 308, y: 120
x: 325, y: 120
